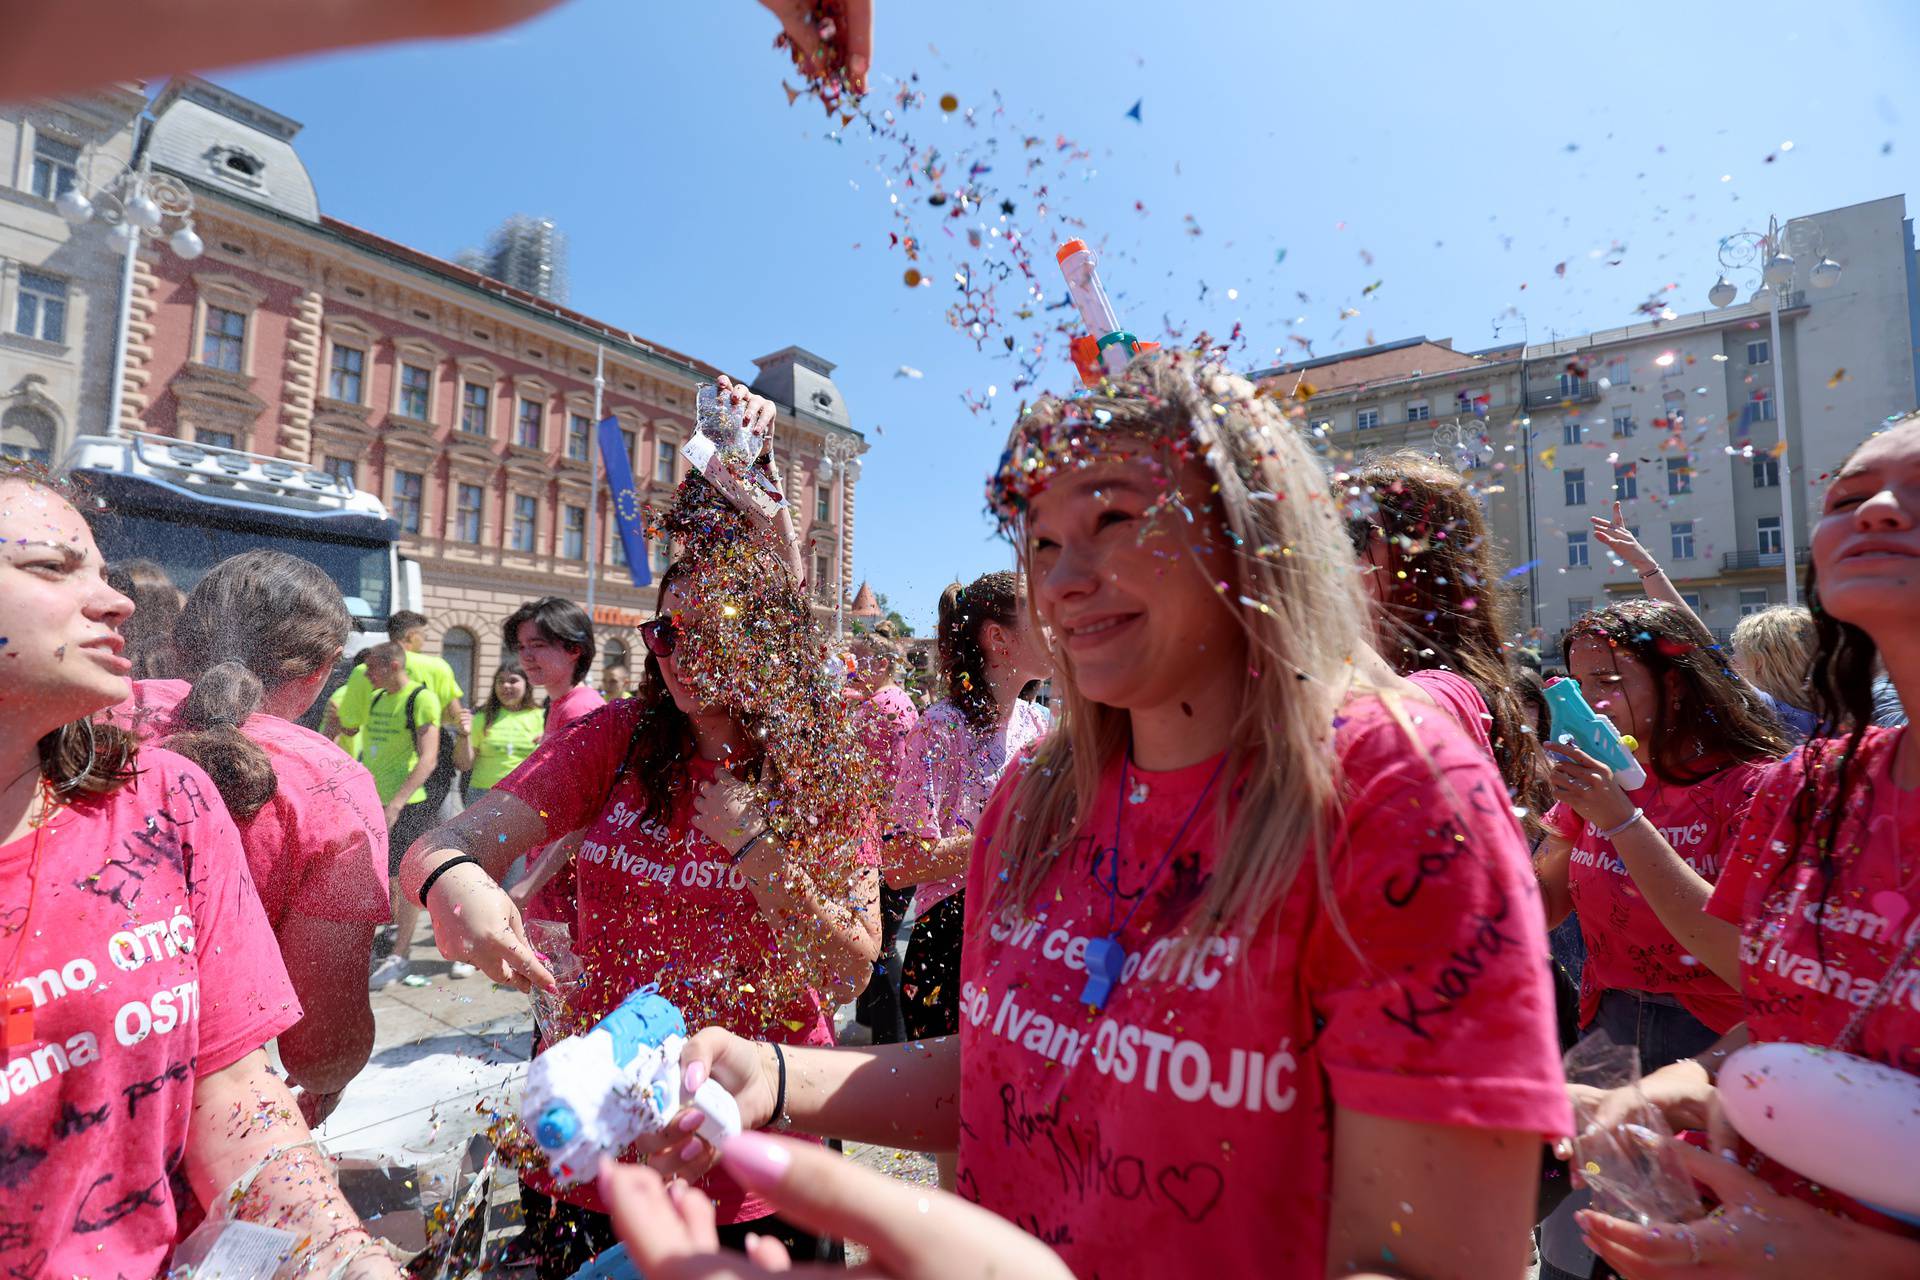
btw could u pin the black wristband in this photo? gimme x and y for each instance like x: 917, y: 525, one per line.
x: 780, y: 1090
x: 426, y: 886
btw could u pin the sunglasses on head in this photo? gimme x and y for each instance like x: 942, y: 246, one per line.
x: 660, y: 636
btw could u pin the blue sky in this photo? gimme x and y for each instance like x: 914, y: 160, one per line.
x: 1450, y: 158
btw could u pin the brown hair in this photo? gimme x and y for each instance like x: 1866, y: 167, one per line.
x: 964, y: 615
x: 1713, y: 720
x: 149, y: 632
x: 85, y: 757
x: 260, y: 618
x: 1445, y: 607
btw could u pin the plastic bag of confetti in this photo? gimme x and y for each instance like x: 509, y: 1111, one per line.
x: 553, y: 942
x: 724, y: 449
x: 1622, y: 1152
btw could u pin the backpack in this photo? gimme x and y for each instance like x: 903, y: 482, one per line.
x: 440, y: 781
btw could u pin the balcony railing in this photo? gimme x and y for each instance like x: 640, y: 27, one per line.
x: 1572, y: 391
x: 1733, y: 561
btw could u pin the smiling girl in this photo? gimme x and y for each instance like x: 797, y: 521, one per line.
x: 1254, y: 979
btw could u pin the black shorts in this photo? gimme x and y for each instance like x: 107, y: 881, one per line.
x: 930, y: 978
x: 415, y: 821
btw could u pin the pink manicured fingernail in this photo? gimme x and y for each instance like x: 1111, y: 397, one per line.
x: 688, y: 1122
x: 756, y: 1160
x: 691, y: 1151
x: 696, y: 1075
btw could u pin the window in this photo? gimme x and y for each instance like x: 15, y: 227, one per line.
x: 630, y: 441
x: 1578, y: 607
x: 576, y: 533
x: 1683, y: 539
x: 1576, y: 551
x: 613, y: 654
x: 526, y: 520
x: 1572, y: 385
x: 579, y: 436
x: 1752, y: 600
x: 1763, y: 405
x: 469, y: 503
x: 416, y: 391
x: 42, y: 309
x: 823, y: 502
x: 456, y: 648
x: 1575, y: 484
x: 660, y: 552
x: 408, y: 488
x: 1759, y: 352
x: 1692, y: 599
x: 224, y: 344
x: 663, y: 462
x: 616, y: 547
x: 56, y: 167
x: 1766, y: 473
x: 348, y: 374
x: 822, y: 571
x: 345, y: 470
x: 214, y: 439
x: 1322, y: 425
x: 1626, y: 481
x: 1366, y: 419
x: 26, y: 433
x: 1419, y: 411
x: 1573, y: 431
x: 527, y: 431
x: 476, y: 400
x: 1679, y: 477
x: 1767, y: 540
x: 1623, y: 422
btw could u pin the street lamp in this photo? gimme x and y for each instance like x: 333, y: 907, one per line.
x: 133, y: 202
x: 1772, y: 253
x: 837, y: 459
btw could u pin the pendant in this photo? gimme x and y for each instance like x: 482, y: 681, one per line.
x: 1105, y: 959
x: 17, y: 1017
x: 1138, y: 793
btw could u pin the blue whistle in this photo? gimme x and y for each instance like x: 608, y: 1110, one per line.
x: 1105, y: 959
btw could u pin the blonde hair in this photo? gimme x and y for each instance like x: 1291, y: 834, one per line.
x: 1298, y: 598
x: 1774, y: 651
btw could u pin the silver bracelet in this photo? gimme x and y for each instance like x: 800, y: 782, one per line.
x: 1637, y: 814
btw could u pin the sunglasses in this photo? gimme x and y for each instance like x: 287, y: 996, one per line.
x: 660, y: 636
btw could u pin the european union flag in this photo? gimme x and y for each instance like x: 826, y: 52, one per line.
x: 626, y: 501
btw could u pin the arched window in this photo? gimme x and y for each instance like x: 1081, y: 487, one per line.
x: 457, y: 647
x: 614, y: 653
x: 26, y: 432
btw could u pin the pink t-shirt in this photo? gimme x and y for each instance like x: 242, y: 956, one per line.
x: 885, y: 721
x: 150, y: 964
x: 581, y: 700
x: 1809, y: 959
x: 1627, y: 946
x: 1457, y: 695
x: 1184, y: 1129
x: 947, y: 775
x: 656, y: 901
x: 319, y: 847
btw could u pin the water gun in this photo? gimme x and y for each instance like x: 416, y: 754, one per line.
x: 592, y: 1094
x: 1577, y: 723
x: 1104, y: 349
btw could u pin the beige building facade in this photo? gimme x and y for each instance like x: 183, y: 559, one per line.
x: 59, y: 285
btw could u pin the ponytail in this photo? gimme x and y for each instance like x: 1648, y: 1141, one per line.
x: 964, y: 614
x: 210, y: 719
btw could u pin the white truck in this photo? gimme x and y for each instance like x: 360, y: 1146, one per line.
x: 188, y: 506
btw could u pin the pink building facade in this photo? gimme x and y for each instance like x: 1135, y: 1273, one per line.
x: 465, y: 405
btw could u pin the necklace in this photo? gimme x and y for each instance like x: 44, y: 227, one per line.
x: 16, y: 1000
x: 1106, y: 957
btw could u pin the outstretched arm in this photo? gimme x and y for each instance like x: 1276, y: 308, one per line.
x: 1616, y: 537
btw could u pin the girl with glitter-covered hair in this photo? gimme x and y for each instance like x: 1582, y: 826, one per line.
x: 1253, y: 980
x: 726, y: 816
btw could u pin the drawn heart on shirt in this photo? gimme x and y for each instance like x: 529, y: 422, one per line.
x: 1891, y: 905
x: 1193, y: 1190
x: 967, y: 1185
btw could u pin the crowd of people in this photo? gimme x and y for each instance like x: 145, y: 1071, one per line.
x: 1233, y: 954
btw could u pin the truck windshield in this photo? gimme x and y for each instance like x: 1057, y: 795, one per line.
x: 187, y: 551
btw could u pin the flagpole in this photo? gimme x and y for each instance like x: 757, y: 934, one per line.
x: 593, y: 475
